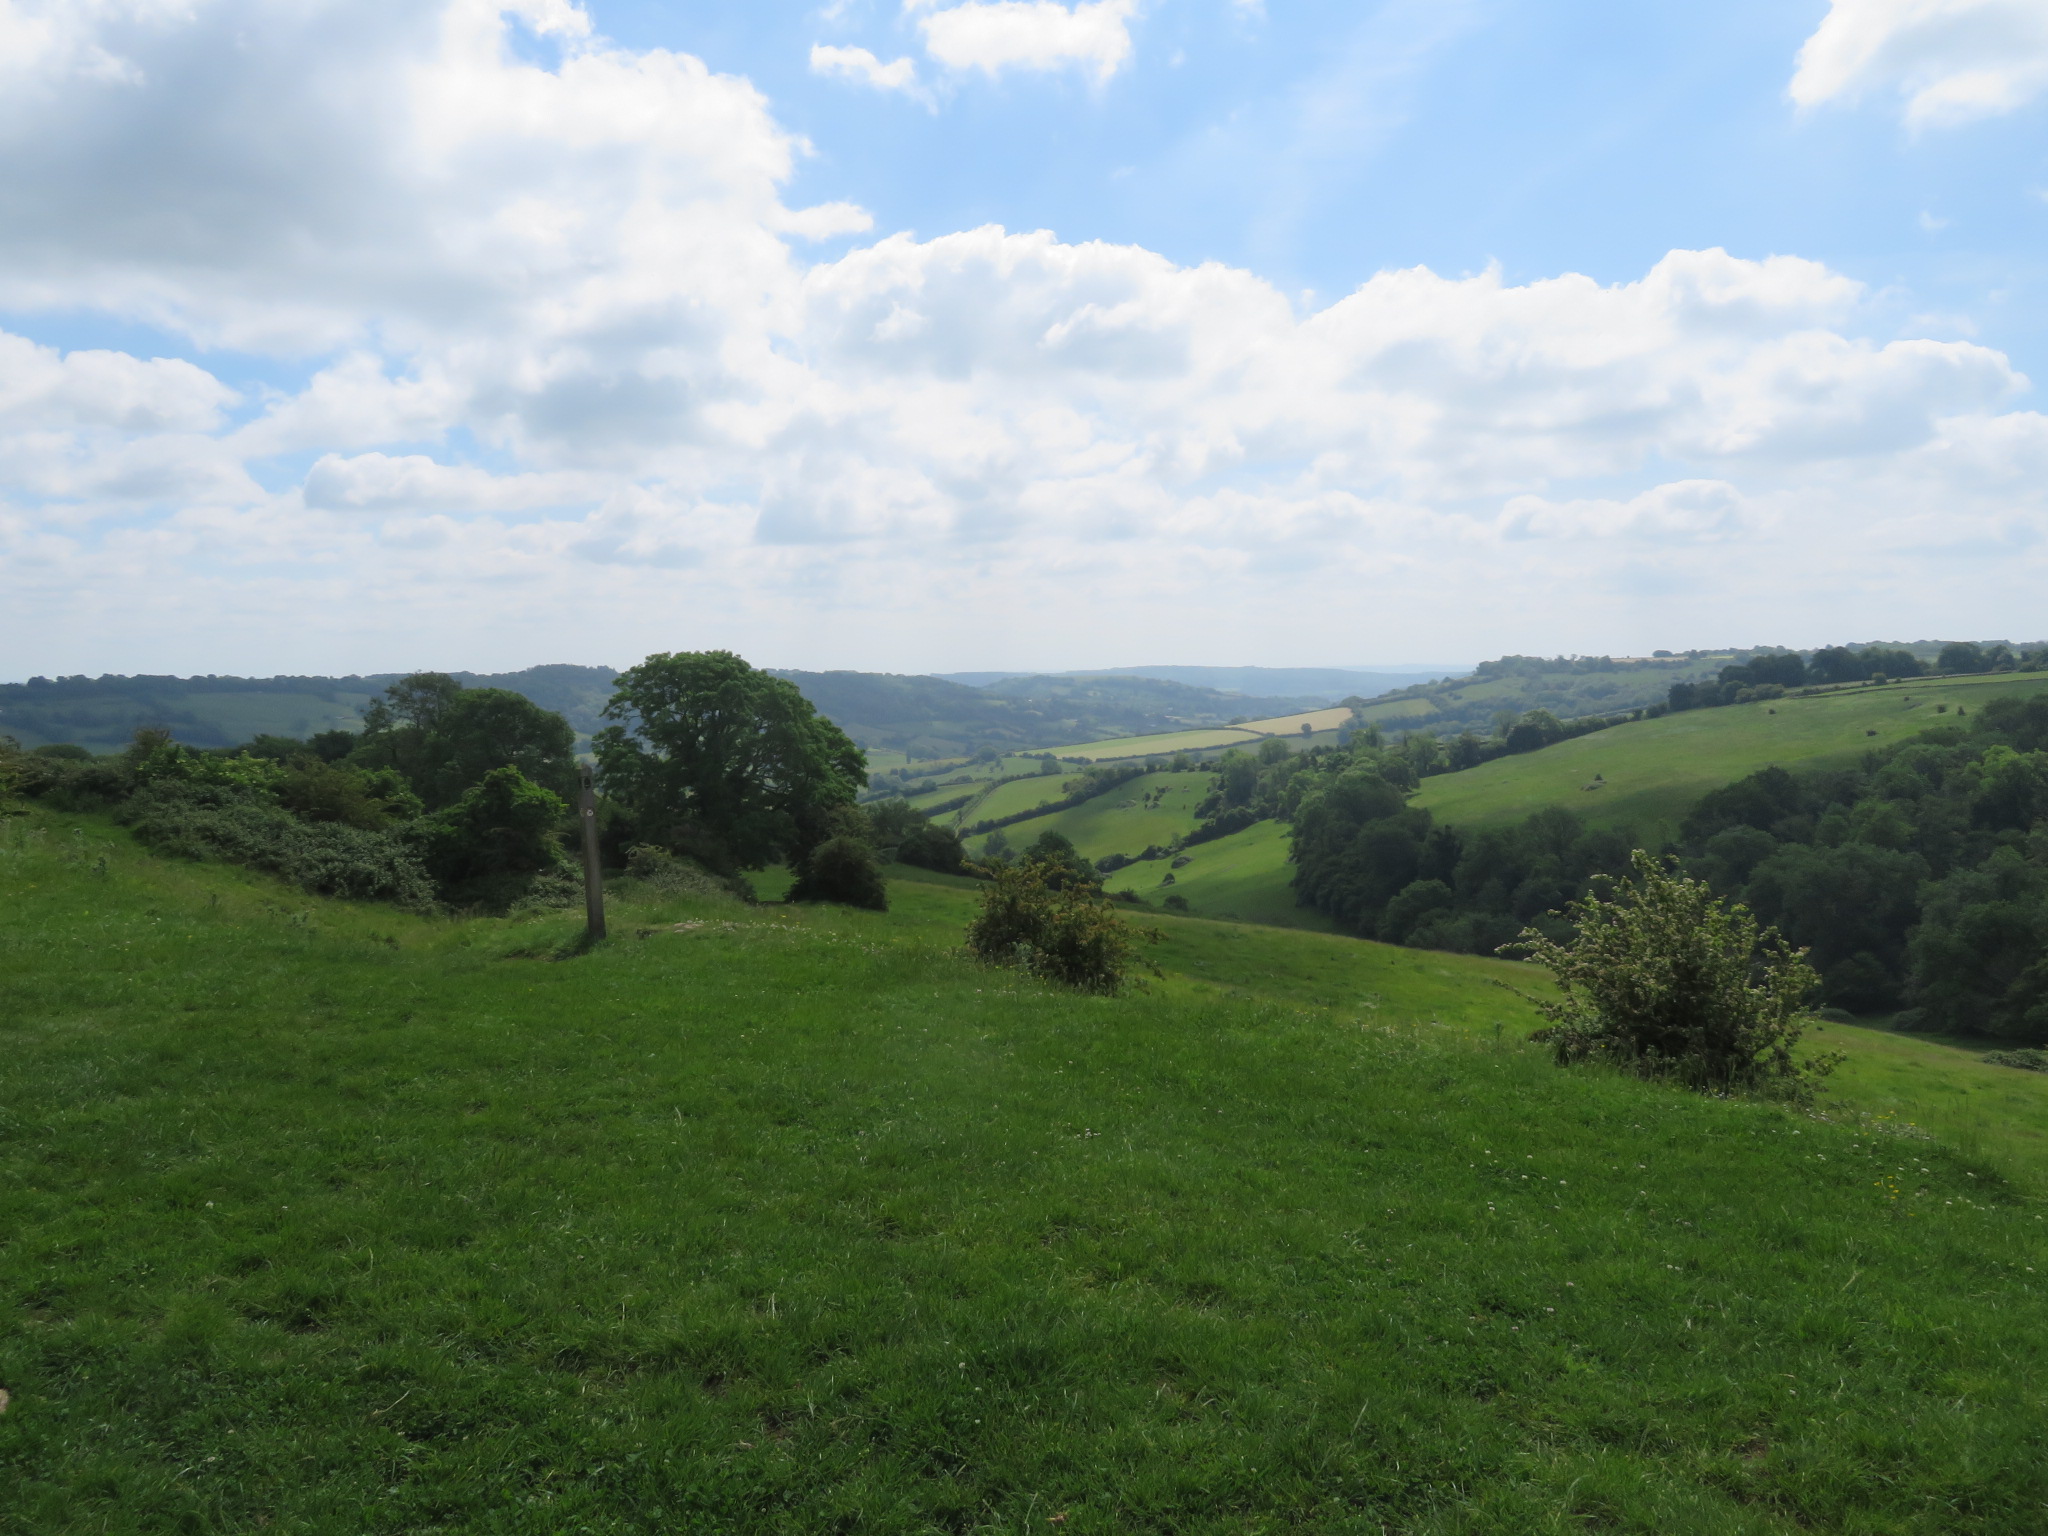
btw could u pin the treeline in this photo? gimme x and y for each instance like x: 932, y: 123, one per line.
x: 1773, y: 676
x: 1919, y: 879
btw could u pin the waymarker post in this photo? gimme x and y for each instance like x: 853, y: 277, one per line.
x: 593, y: 875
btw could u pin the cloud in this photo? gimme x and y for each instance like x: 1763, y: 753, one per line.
x: 997, y: 35
x: 375, y: 482
x: 1951, y: 61
x: 1683, y: 511
x: 574, y: 263
x: 863, y: 68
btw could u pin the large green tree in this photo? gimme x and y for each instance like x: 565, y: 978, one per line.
x: 445, y: 738
x: 715, y: 758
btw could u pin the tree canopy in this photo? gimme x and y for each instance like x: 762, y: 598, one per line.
x: 715, y: 758
x: 445, y: 738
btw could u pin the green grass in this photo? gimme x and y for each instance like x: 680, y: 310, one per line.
x: 1015, y: 796
x: 1655, y: 769
x: 1244, y: 877
x: 325, y: 1219
x: 1118, y: 822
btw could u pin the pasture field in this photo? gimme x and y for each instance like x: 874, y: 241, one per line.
x: 1394, y: 712
x: 1290, y: 725
x: 1163, y: 744
x: 1655, y: 769
x: 1243, y: 877
x: 1121, y: 821
x: 331, y: 1219
x: 1016, y: 795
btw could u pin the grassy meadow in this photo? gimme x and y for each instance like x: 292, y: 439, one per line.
x: 1243, y: 877
x: 1653, y: 770
x: 1122, y: 821
x: 328, y: 1218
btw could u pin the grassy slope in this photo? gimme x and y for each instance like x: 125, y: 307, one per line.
x: 1655, y: 769
x: 1244, y: 876
x: 1017, y: 796
x: 1117, y: 822
x: 332, y: 1220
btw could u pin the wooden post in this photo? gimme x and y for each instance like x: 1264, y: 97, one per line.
x: 593, y: 876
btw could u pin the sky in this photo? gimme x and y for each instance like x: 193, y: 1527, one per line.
x: 943, y: 335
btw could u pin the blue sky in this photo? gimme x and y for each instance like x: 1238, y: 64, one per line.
x: 942, y: 334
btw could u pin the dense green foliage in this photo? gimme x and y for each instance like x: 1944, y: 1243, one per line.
x: 842, y: 869
x: 331, y: 1220
x: 1920, y: 877
x: 489, y: 845
x: 711, y: 758
x: 444, y: 738
x: 1665, y: 981
x: 912, y: 838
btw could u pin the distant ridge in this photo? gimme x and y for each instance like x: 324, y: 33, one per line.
x: 1323, y: 683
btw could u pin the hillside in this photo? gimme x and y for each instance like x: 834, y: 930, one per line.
x: 1649, y: 772
x: 1311, y: 685
x: 790, y: 1220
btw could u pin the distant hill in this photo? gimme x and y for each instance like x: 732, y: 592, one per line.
x: 1308, y: 685
x: 930, y: 717
x: 922, y: 717
x: 103, y: 713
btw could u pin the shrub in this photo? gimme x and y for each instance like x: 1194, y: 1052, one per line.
x: 1070, y: 934
x: 1665, y: 980
x: 843, y: 870
x: 901, y: 830
x: 486, y: 848
x: 236, y: 824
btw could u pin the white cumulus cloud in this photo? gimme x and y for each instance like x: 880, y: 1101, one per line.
x: 1948, y: 60
x: 862, y: 67
x: 997, y: 35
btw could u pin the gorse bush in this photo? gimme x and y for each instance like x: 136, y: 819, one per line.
x: 1068, y: 934
x: 238, y: 824
x: 1665, y: 981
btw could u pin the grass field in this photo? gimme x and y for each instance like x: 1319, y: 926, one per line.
x: 1395, y: 711
x: 1290, y: 725
x: 1164, y: 744
x: 1119, y: 822
x: 1655, y: 769
x: 328, y: 1219
x: 1244, y: 877
x: 1015, y: 796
